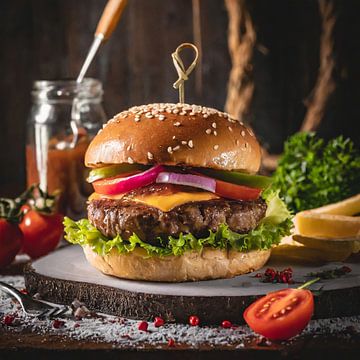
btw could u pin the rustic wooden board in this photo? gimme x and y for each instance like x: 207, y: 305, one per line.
x: 65, y: 275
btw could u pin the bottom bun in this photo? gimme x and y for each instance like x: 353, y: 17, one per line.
x: 192, y: 266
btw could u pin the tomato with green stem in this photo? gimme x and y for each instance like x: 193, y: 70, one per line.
x: 42, y: 232
x: 11, y: 237
x: 282, y: 314
x: 41, y: 224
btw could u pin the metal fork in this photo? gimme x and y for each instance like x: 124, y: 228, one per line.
x: 34, y: 307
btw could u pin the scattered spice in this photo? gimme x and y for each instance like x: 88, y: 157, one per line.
x: 194, y: 320
x: 158, y: 321
x: 143, y: 326
x: 331, y: 273
x: 274, y: 276
x: 226, y: 324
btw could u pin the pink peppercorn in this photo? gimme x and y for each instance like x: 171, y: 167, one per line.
x: 143, y: 326
x: 58, y: 324
x: 158, y: 321
x: 226, y: 324
x: 171, y: 343
x: 194, y: 320
x: 8, y: 319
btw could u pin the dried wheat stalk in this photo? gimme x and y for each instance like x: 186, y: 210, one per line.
x: 325, y: 84
x: 241, y: 42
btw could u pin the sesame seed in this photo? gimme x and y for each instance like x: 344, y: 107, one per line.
x: 177, y: 123
x: 169, y: 150
x: 192, y: 113
x: 161, y: 117
x: 149, y: 115
x: 177, y: 147
x: 175, y: 111
x: 230, y: 128
x: 183, y: 113
x: 184, y: 142
x: 128, y: 148
x: 216, y: 147
x: 237, y: 142
x: 137, y: 118
x: 130, y: 160
x: 174, y: 137
x: 208, y: 131
x: 150, y: 155
x: 213, y: 125
x: 283, y: 311
x: 190, y: 143
x: 242, y: 133
x: 205, y: 116
x: 215, y: 132
x: 288, y: 308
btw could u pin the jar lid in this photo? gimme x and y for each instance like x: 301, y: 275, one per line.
x: 66, y: 90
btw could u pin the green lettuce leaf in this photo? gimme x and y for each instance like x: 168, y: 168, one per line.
x: 269, y: 232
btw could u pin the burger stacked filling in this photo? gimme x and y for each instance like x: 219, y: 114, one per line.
x: 167, y: 210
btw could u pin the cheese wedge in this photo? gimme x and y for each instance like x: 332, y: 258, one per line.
x: 350, y: 207
x: 318, y: 225
x: 164, y: 202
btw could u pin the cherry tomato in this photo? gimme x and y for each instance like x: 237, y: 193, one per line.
x: 11, y: 239
x: 42, y: 232
x: 237, y: 192
x: 282, y: 314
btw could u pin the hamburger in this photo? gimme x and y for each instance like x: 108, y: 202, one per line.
x: 176, y: 197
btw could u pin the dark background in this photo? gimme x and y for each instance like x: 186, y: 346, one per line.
x: 48, y: 39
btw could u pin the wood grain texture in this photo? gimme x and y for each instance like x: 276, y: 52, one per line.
x: 45, y: 39
x: 134, y: 305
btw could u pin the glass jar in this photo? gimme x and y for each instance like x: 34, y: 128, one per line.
x: 64, y: 117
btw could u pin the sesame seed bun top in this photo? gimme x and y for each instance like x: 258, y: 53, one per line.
x: 175, y: 134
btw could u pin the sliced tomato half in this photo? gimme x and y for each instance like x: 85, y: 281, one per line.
x: 237, y: 192
x: 282, y: 314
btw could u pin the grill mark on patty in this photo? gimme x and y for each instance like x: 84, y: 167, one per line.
x: 126, y: 217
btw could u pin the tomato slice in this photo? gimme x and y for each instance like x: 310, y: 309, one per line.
x: 237, y: 192
x: 282, y: 314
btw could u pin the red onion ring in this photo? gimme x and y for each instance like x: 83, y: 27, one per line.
x: 197, y: 181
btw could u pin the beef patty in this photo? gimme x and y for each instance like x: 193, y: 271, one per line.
x: 126, y: 217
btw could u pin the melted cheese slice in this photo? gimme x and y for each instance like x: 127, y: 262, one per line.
x: 163, y: 202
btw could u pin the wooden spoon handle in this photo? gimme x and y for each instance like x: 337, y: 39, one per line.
x: 110, y: 17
